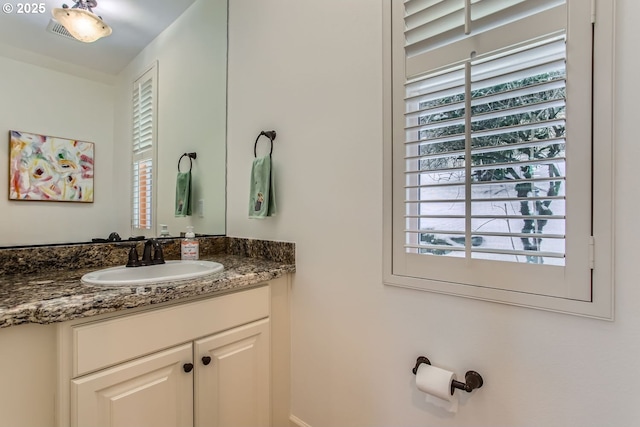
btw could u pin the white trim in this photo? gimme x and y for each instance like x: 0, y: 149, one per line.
x: 387, y: 146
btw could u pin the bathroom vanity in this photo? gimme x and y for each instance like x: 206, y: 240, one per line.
x: 209, y: 351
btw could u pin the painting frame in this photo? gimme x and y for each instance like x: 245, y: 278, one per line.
x: 49, y: 168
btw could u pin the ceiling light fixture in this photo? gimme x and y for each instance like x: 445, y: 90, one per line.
x: 81, y: 22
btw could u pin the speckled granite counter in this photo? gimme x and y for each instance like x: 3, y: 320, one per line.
x: 57, y: 294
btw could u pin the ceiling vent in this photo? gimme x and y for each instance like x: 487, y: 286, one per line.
x: 56, y: 28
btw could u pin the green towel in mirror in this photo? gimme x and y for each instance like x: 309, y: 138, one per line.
x: 183, y: 194
x: 262, y: 198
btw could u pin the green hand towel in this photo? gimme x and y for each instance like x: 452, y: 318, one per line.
x: 183, y: 194
x: 262, y: 200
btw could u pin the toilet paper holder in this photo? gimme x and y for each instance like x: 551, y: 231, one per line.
x: 473, y: 380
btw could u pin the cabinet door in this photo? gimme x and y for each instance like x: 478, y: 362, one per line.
x: 232, y: 387
x: 153, y: 391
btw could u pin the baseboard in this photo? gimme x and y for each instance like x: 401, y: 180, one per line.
x: 297, y: 422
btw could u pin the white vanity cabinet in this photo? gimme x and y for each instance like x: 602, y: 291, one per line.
x: 203, y: 363
x: 232, y: 385
x: 150, y: 391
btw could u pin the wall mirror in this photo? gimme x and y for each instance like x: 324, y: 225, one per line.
x: 56, y: 86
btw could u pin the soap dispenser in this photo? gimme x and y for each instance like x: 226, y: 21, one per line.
x: 190, y: 248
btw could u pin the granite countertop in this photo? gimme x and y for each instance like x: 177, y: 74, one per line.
x: 57, y: 296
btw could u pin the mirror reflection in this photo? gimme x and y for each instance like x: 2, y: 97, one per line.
x: 57, y: 86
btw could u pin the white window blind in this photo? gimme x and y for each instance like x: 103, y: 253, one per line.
x: 143, y: 115
x: 492, y: 144
x: 517, y: 170
x: 144, y: 101
x: 142, y: 196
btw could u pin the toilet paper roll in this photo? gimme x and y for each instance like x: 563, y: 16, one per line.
x: 436, y: 383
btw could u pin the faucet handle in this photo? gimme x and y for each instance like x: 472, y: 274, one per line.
x: 133, y: 257
x: 158, y: 256
x: 146, y: 253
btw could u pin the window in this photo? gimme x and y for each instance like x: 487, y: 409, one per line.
x: 144, y: 101
x: 499, y: 151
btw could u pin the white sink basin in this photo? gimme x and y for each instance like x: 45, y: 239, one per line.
x: 152, y: 274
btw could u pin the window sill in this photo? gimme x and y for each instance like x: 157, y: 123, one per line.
x: 601, y: 307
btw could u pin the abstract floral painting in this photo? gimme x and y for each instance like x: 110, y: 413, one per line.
x: 49, y: 168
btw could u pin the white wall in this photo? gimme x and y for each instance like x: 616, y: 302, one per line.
x: 43, y: 101
x: 313, y: 72
x: 191, y: 57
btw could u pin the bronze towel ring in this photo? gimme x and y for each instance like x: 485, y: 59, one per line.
x: 190, y: 156
x: 271, y: 134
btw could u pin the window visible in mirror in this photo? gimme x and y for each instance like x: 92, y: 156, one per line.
x: 144, y: 147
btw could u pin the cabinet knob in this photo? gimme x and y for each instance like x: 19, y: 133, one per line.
x: 206, y: 360
x: 188, y: 367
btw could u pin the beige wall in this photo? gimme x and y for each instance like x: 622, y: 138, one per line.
x: 29, y: 372
x: 313, y: 71
x: 43, y: 101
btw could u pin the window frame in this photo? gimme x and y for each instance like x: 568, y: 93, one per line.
x: 602, y: 290
x: 150, y: 73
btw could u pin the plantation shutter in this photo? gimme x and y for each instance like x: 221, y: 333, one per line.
x: 492, y: 144
x: 143, y: 116
x: 143, y: 149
